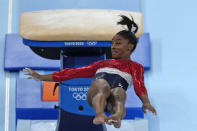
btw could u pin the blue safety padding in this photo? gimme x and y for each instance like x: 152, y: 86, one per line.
x: 73, y: 97
x: 142, y: 52
x: 132, y: 98
x: 73, y: 122
x: 78, y: 82
x: 16, y: 51
x: 29, y: 104
x: 67, y: 43
x: 36, y: 114
x: 133, y: 112
x: 74, y: 90
x: 80, y: 61
x: 18, y: 56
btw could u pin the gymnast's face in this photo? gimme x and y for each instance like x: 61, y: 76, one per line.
x: 121, y: 48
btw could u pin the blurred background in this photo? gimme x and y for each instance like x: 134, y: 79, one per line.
x: 171, y: 81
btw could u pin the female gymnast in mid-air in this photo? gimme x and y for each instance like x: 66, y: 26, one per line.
x: 107, y: 93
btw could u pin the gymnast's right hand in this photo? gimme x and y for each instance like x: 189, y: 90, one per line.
x: 32, y: 74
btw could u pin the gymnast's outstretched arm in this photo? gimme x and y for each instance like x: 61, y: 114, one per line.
x: 34, y: 75
x: 139, y: 87
x: 65, y: 74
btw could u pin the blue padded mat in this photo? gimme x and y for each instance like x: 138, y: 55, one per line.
x: 67, y: 43
x: 142, y: 52
x: 75, y: 89
x: 29, y: 104
x: 132, y: 98
x: 18, y: 56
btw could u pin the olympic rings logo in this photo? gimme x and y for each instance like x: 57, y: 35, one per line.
x: 92, y: 43
x: 80, y: 96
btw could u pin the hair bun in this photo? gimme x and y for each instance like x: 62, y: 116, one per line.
x: 131, y: 25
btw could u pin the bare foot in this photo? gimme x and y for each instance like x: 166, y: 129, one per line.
x: 99, y: 119
x: 115, y: 120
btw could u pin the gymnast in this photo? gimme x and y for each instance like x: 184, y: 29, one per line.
x: 107, y: 92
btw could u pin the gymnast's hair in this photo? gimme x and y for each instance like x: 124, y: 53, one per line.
x: 129, y: 33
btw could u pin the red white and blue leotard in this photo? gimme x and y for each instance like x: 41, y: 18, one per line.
x: 129, y: 71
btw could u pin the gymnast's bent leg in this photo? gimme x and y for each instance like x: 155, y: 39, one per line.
x: 117, y: 100
x: 97, y: 96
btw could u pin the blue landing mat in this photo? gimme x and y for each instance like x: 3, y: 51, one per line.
x: 18, y: 56
x: 142, y: 52
x: 29, y: 104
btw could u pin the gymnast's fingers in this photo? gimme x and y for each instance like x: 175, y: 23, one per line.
x: 27, y: 74
x: 153, y: 111
x: 144, y: 109
x: 28, y: 70
x: 29, y: 77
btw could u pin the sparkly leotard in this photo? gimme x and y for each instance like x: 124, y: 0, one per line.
x: 118, y: 73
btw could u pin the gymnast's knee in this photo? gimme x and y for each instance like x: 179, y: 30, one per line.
x: 98, y: 87
x: 119, y: 94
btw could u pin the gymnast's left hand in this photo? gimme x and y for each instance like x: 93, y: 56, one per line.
x: 148, y: 106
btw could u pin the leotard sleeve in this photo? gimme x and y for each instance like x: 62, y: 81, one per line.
x: 81, y: 72
x: 138, y: 80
